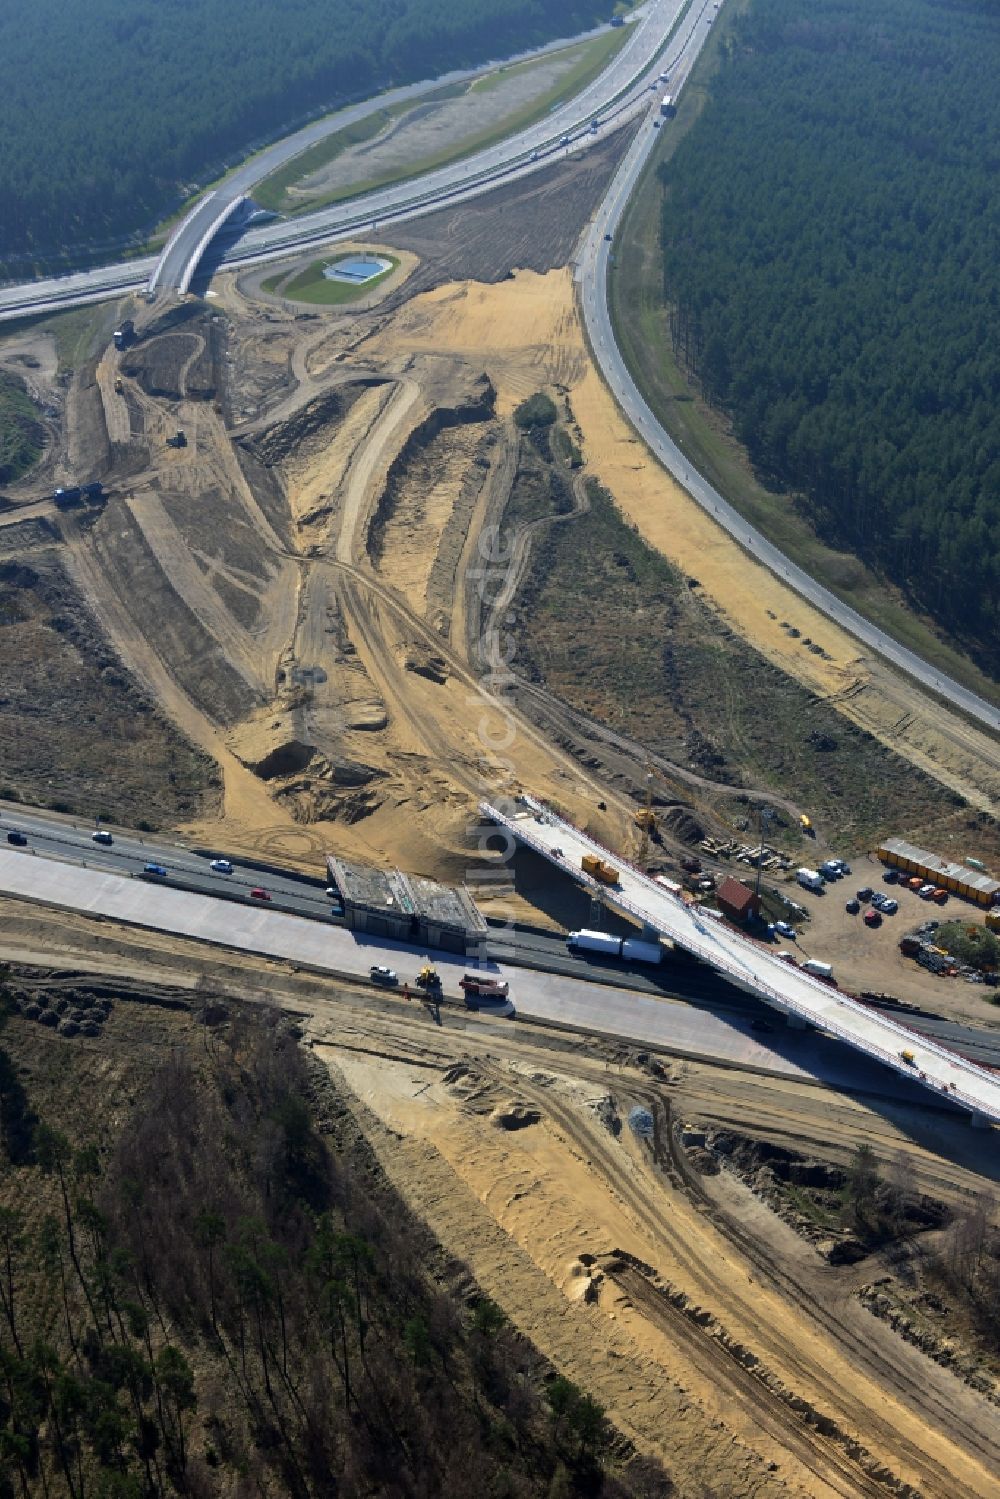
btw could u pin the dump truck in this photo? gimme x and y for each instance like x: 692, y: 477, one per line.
x: 607, y: 874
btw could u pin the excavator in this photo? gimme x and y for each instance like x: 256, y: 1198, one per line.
x: 428, y: 978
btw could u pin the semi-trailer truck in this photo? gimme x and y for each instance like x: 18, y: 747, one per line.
x: 629, y: 949
x: 668, y: 108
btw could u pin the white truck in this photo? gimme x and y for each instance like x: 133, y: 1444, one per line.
x: 810, y: 879
x: 629, y: 949
x: 817, y: 969
x: 667, y: 107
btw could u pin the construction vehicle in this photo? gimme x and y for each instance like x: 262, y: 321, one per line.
x: 631, y: 949
x: 178, y: 440
x: 477, y: 983
x: 119, y: 385
x: 806, y: 826
x: 908, y: 1058
x: 429, y: 979
x: 606, y: 874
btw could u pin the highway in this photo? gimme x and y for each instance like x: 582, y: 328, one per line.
x: 617, y: 95
x: 690, y: 984
x: 560, y: 999
x: 594, y: 260
x: 751, y: 965
x: 70, y: 839
x: 626, y: 90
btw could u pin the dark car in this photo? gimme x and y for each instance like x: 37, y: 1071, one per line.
x: 155, y: 871
x: 866, y: 893
x: 890, y: 877
x: 17, y: 838
x: 853, y: 906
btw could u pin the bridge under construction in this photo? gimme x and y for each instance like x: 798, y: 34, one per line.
x: 752, y: 966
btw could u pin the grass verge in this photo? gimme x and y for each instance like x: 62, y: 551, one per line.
x: 640, y: 317
x: 312, y: 286
x: 594, y: 56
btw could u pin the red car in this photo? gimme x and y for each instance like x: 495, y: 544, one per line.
x: 259, y: 893
x: 873, y: 918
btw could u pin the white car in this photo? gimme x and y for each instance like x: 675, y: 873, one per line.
x: 221, y: 866
x: 784, y: 930
x: 379, y: 974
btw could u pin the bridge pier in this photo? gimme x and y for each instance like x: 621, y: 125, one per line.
x: 980, y: 1121
x: 796, y: 1022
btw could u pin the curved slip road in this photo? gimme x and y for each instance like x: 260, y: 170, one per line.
x: 628, y: 74
x: 593, y: 259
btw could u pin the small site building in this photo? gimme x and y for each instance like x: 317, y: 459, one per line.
x: 737, y: 901
x: 960, y: 879
x: 405, y: 907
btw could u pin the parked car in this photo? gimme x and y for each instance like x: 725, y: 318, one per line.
x: 889, y: 907
x: 221, y: 866
x: 259, y: 893
x: 783, y: 929
x: 940, y: 896
x: 915, y: 883
x: 873, y: 918
x: 926, y: 892
x: 890, y: 876
x: 379, y: 974
x: 101, y: 835
x: 853, y: 907
x: 16, y: 837
x: 865, y: 893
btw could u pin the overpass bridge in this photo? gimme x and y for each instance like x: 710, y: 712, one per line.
x: 751, y: 965
x: 184, y: 249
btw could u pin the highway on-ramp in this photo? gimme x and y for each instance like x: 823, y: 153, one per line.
x: 594, y: 259
x: 610, y: 100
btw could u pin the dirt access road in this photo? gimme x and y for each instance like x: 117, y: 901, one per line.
x: 718, y: 1339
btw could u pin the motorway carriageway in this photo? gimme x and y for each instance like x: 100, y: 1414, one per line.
x: 594, y: 257
x: 614, y: 96
x: 603, y: 1009
x: 688, y: 983
x: 749, y: 964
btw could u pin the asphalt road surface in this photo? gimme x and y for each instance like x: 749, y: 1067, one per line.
x: 616, y: 95
x: 609, y: 1011
x: 685, y: 981
x: 594, y: 261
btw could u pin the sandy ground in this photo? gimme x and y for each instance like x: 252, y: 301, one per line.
x: 528, y: 333
x: 718, y: 1339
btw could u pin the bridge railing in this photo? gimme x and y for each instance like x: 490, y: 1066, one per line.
x: 725, y: 962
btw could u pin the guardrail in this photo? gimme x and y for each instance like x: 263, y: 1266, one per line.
x: 725, y: 962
